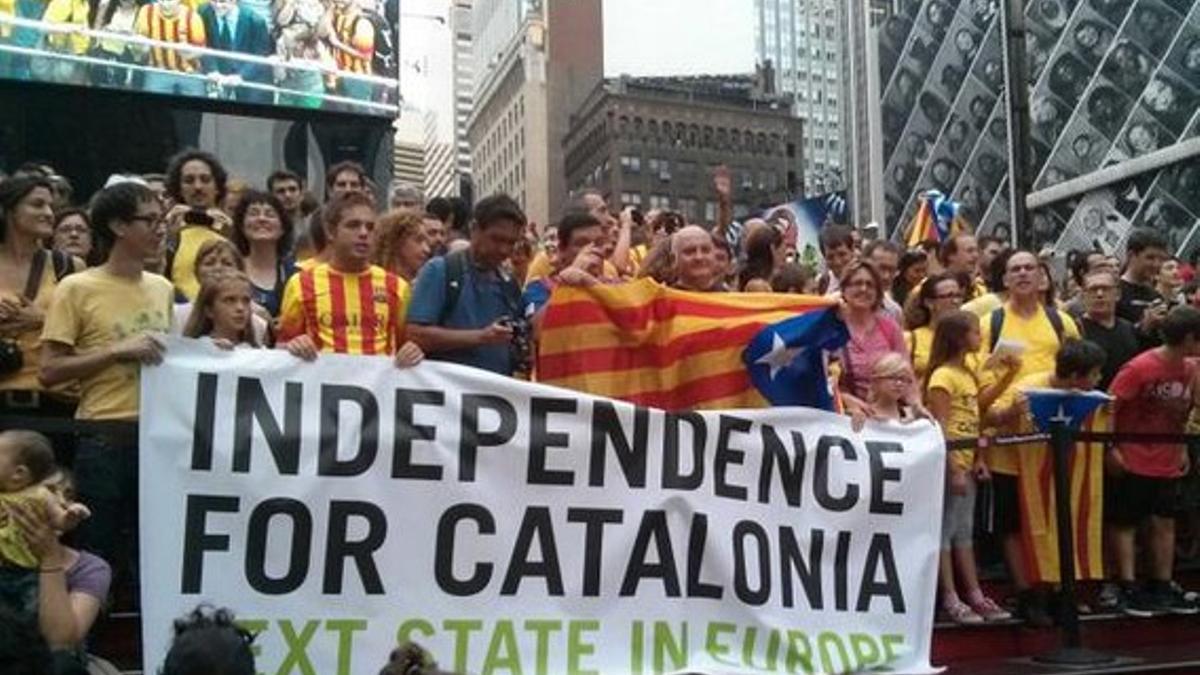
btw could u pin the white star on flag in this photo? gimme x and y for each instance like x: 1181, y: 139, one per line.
x: 1062, y: 417
x: 779, y: 356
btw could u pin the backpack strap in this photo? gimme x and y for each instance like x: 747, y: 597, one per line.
x: 996, y: 326
x: 456, y: 271
x: 36, y: 267
x: 1055, y: 321
x: 63, y: 264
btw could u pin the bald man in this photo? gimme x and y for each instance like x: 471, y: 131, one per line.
x: 695, y: 263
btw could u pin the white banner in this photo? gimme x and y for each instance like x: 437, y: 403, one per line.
x: 344, y: 505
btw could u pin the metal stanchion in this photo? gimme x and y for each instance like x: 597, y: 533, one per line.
x: 1072, y: 652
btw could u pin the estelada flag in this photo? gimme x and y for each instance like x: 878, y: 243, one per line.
x: 1037, y: 499
x: 937, y: 220
x: 660, y: 347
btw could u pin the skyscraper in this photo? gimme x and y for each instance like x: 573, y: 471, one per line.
x: 439, y: 161
x: 806, y: 43
x: 463, y: 74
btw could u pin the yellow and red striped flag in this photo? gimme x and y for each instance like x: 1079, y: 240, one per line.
x: 665, y: 348
x: 937, y: 220
x: 1039, y: 524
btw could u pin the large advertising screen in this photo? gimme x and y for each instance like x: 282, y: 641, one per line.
x: 337, y: 55
x: 1109, y: 81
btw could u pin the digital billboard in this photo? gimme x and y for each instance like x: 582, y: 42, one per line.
x: 1109, y: 81
x: 336, y: 55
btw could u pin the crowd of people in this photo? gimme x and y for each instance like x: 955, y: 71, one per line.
x: 956, y: 331
x: 292, y: 52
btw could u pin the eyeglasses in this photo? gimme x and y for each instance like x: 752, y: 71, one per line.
x: 1100, y: 290
x: 949, y: 296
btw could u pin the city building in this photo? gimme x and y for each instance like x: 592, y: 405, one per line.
x: 534, y: 63
x: 440, y: 170
x: 1115, y: 110
x: 863, y: 132
x: 408, y: 150
x: 805, y: 41
x: 654, y: 142
x: 463, y: 77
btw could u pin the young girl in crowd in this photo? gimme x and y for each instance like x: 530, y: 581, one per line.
x: 213, y: 258
x: 891, y: 382
x: 954, y: 398
x: 222, y: 311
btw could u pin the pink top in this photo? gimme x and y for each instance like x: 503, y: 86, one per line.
x: 864, y: 349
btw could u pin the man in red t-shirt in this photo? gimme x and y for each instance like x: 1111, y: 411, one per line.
x: 1154, y: 394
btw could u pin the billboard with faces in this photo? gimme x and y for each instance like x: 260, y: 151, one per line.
x: 1109, y: 80
x: 338, y: 55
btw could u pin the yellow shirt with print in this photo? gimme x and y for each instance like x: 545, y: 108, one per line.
x: 183, y: 268
x: 1041, y: 347
x: 963, y: 422
x: 92, y: 310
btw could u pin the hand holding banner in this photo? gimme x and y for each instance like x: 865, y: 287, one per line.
x: 344, y: 505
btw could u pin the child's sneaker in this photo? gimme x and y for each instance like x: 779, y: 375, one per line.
x: 989, y: 610
x: 961, y: 613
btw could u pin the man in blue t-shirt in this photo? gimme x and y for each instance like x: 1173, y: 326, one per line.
x: 464, y: 305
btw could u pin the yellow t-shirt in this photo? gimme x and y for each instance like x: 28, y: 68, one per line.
x: 183, y: 268
x: 920, y: 351
x: 919, y: 343
x: 14, y: 548
x: 1041, y: 347
x: 984, y: 305
x: 93, y: 309
x: 72, y: 12
x: 963, y: 422
x: 31, y: 341
x: 1005, y: 459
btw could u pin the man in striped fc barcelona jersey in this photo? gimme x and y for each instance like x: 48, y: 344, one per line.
x: 347, y: 305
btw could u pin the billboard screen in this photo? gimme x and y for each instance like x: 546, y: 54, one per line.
x: 1109, y: 81
x: 336, y: 55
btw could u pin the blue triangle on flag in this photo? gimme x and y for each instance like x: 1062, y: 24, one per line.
x: 1063, y: 406
x: 786, y: 361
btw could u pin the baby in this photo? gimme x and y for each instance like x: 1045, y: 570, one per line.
x: 26, y: 461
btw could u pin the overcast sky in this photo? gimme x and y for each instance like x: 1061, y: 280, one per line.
x: 678, y: 37
x: 641, y: 37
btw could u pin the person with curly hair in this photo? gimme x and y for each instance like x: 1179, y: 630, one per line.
x: 400, y: 245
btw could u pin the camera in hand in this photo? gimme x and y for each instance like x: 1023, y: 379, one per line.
x: 198, y: 217
x: 520, y: 347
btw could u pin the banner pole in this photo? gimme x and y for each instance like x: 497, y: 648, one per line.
x: 1072, y: 651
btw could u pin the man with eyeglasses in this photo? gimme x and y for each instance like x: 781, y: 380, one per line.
x: 1039, y: 331
x: 1100, y: 323
x: 101, y: 327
